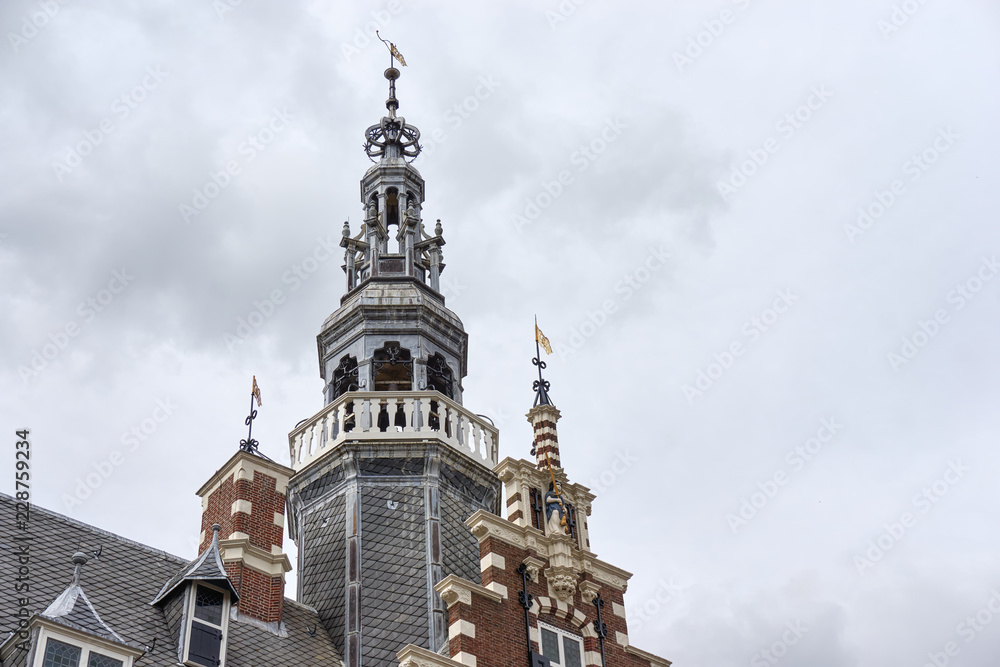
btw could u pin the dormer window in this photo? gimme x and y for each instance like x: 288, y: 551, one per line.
x: 67, y: 651
x: 205, y: 640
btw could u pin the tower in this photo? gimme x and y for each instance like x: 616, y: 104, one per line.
x: 386, y: 474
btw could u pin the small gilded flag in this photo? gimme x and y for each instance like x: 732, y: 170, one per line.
x: 541, y: 339
x: 256, y: 390
x: 396, y: 54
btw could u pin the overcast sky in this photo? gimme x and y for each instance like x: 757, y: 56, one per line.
x: 762, y: 236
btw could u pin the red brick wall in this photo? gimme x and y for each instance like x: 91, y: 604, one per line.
x: 261, y: 596
x: 500, y: 632
x: 259, y: 525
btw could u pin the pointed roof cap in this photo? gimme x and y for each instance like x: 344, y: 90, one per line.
x: 72, y: 608
x: 206, y: 567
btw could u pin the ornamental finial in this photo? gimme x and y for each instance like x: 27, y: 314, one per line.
x: 392, y: 137
x: 541, y: 385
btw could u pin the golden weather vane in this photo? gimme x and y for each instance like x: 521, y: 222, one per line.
x: 393, y: 51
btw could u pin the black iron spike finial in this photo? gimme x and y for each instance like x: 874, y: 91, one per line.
x: 250, y: 445
x: 541, y: 385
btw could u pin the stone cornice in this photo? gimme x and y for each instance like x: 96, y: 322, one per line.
x: 414, y: 656
x: 240, y: 549
x: 249, y: 462
x: 454, y: 589
x: 654, y: 660
x: 486, y: 525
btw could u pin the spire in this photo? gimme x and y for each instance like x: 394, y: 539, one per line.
x: 72, y: 608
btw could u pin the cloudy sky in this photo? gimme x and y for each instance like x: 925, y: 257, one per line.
x: 762, y: 236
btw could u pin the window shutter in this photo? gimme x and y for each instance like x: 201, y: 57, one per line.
x: 206, y: 645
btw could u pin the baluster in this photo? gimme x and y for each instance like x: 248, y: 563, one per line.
x: 423, y: 417
x: 334, y: 425
x: 460, y: 435
x: 408, y: 411
x: 366, y: 414
x: 477, y: 450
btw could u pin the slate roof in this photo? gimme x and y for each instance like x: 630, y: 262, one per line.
x: 206, y: 567
x: 123, y: 582
x: 72, y: 608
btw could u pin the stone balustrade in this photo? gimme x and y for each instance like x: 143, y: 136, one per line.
x: 393, y: 415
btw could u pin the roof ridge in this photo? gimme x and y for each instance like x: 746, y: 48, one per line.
x: 307, y: 607
x: 107, y: 533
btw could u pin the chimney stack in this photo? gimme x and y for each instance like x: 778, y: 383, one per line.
x: 247, y: 498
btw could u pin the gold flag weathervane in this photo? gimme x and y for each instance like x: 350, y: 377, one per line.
x: 541, y: 385
x: 256, y: 390
x: 393, y: 51
x: 250, y: 445
x: 541, y: 339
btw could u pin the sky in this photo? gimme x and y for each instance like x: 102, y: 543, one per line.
x: 761, y: 237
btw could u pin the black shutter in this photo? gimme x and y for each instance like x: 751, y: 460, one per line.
x: 206, y: 645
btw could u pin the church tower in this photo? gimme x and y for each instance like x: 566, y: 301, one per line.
x: 386, y: 474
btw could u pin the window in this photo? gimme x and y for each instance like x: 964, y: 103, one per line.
x: 560, y: 647
x: 439, y: 376
x: 101, y: 660
x: 62, y: 654
x: 345, y: 377
x: 206, y: 637
x: 393, y: 368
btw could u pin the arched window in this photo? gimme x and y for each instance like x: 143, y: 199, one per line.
x: 439, y: 376
x: 345, y: 376
x: 392, y: 368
